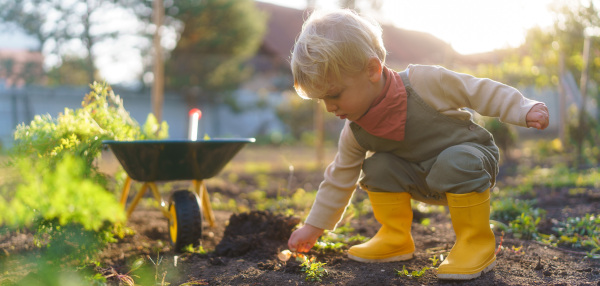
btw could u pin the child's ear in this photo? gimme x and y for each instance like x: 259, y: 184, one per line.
x: 374, y: 69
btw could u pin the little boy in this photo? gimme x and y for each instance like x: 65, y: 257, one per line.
x: 411, y: 137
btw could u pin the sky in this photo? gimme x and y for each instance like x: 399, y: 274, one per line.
x: 469, y: 26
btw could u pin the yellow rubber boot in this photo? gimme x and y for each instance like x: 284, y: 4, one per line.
x: 393, y: 241
x: 474, y: 250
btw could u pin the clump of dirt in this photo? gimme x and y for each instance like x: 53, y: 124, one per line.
x: 260, y: 234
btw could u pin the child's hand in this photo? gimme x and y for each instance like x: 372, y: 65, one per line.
x: 538, y: 116
x: 303, y: 239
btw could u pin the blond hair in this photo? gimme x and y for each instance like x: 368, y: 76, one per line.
x: 333, y: 44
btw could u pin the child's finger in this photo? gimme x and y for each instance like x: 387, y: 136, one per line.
x: 292, y: 244
x: 305, y: 247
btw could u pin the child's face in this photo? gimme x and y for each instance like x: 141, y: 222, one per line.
x: 351, y: 97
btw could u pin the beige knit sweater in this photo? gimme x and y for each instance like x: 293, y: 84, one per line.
x: 444, y: 90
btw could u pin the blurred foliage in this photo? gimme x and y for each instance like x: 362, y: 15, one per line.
x: 56, y: 24
x: 508, y: 209
x: 216, y: 38
x: 525, y: 226
x: 78, y: 132
x: 537, y: 63
x: 562, y: 176
x: 59, y: 193
x: 72, y: 71
x: 153, y: 130
x: 578, y: 232
x: 589, y: 225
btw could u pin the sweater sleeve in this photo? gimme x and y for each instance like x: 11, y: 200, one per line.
x: 448, y: 91
x: 339, y: 182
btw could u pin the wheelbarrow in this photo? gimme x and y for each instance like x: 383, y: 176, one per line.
x: 150, y: 161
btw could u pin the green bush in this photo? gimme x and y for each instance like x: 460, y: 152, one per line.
x: 79, y: 132
x: 59, y: 194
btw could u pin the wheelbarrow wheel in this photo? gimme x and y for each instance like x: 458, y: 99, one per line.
x: 185, y: 224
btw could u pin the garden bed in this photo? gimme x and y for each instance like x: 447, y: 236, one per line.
x: 243, y: 247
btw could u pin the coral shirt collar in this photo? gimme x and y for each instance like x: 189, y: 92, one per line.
x: 386, y: 118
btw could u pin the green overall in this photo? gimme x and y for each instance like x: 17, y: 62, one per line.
x: 439, y: 154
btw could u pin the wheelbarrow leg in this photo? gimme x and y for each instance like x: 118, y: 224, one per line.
x: 200, y: 189
x: 137, y: 198
x: 125, y: 192
x: 159, y: 199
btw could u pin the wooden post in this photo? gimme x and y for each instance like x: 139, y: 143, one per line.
x: 583, y: 89
x: 562, y: 106
x: 158, y: 85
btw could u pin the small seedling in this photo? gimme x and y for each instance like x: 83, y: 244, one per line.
x: 314, y: 270
x: 525, y: 226
x: 126, y: 278
x: 434, y: 261
x: 413, y: 274
x: 191, y: 249
x: 156, y: 264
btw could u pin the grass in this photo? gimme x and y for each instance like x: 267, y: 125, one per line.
x: 255, y: 159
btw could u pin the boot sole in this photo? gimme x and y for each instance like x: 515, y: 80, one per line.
x: 466, y: 276
x: 402, y: 257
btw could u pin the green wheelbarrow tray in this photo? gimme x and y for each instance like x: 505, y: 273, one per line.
x: 149, y: 161
x: 166, y: 160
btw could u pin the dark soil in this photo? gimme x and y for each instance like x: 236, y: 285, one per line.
x: 242, y: 248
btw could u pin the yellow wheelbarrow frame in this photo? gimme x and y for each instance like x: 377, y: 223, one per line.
x: 199, y: 189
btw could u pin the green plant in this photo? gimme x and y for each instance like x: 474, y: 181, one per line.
x: 58, y: 192
x: 315, y: 271
x: 589, y: 225
x: 191, y: 249
x: 339, y: 238
x: 577, y: 232
x: 153, y: 130
x: 434, y: 261
x: 325, y: 246
x: 413, y: 274
x: 156, y: 264
x: 525, y: 226
x: 594, y: 244
x: 561, y: 176
x: 65, y: 208
x: 509, y: 209
x: 127, y: 278
x: 79, y: 131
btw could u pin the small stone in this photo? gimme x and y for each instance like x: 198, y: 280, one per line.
x: 216, y: 261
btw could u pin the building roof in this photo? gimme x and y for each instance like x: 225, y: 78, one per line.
x: 404, y: 46
x: 17, y: 64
